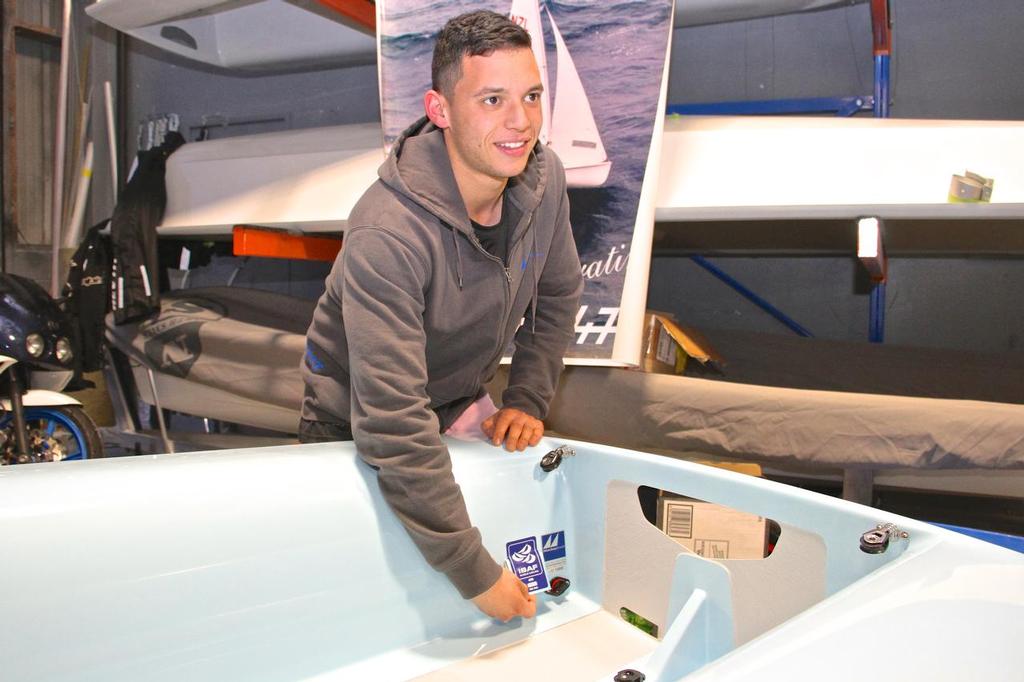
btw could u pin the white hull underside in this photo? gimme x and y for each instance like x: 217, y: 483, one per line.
x: 271, y: 34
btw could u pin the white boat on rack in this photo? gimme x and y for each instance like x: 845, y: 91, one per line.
x: 308, y: 180
x: 249, y: 35
x: 270, y: 34
x: 285, y: 564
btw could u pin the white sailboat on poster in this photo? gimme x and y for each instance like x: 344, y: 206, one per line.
x: 569, y: 127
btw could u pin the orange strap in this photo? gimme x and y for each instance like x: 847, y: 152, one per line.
x: 260, y: 241
x: 363, y: 12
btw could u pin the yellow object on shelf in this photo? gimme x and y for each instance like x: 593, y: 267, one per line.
x: 970, y: 188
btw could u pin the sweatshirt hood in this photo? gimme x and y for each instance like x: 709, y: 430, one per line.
x: 419, y: 159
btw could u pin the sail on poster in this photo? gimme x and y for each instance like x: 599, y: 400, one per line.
x: 604, y: 70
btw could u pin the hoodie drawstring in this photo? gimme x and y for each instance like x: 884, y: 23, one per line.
x: 458, y: 258
x: 536, y: 278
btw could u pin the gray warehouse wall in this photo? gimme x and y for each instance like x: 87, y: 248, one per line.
x: 951, y: 59
x: 963, y: 304
x: 162, y: 83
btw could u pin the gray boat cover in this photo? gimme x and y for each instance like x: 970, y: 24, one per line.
x: 251, y: 342
x: 245, y: 341
x: 785, y: 425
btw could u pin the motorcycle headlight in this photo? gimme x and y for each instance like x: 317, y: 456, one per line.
x: 63, y: 351
x: 35, y: 345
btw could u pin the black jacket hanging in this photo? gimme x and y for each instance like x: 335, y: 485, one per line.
x: 135, y: 291
x: 86, y: 297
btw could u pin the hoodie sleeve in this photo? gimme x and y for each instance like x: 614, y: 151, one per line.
x: 392, y: 423
x: 540, y: 343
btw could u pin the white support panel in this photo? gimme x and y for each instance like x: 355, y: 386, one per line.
x: 306, y: 180
x: 763, y: 168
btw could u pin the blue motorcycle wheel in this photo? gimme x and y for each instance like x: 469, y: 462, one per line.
x: 65, y: 426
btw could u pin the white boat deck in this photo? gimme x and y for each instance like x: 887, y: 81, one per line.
x: 584, y: 649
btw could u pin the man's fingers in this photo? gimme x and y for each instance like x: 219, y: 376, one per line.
x: 530, y: 608
x: 501, y: 424
x: 524, y: 437
x: 506, y: 599
x: 487, y: 426
x: 513, y: 428
x: 512, y: 437
x: 531, y: 435
x: 529, y: 605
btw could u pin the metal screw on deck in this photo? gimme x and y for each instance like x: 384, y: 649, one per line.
x: 629, y: 675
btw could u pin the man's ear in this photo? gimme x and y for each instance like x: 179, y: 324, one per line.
x: 436, y: 107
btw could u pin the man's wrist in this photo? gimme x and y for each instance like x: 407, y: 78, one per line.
x: 522, y: 401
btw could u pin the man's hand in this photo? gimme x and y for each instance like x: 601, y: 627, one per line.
x: 516, y: 428
x: 507, y: 599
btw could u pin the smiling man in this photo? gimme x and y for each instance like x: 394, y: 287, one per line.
x: 461, y: 245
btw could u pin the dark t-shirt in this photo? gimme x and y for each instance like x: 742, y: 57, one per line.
x: 494, y: 238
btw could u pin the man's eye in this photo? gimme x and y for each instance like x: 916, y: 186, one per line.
x: 492, y: 100
x: 533, y: 97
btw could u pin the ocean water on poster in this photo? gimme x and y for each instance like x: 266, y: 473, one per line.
x: 618, y: 49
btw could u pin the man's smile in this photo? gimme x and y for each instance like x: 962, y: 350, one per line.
x: 515, y: 148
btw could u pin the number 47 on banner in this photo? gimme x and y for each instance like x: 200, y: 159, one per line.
x: 594, y: 326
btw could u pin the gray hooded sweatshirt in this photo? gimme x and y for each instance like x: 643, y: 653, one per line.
x: 415, y: 319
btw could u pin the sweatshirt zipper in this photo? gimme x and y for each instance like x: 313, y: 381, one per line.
x: 508, y: 291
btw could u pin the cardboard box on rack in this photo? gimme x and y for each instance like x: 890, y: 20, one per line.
x: 712, y: 530
x: 668, y: 345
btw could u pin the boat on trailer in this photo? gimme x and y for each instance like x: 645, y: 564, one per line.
x: 285, y: 563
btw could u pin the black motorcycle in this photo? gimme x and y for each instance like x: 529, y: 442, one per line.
x: 38, y: 423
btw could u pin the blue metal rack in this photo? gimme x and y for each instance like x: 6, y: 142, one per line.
x: 881, y: 32
x: 840, y: 106
x: 751, y: 296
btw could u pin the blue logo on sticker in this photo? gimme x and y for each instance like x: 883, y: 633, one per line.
x: 553, y: 545
x: 526, y: 564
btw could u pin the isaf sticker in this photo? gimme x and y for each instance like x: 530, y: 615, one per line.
x: 525, y: 562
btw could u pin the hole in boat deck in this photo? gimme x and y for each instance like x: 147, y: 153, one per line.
x: 712, y: 531
x: 639, y: 622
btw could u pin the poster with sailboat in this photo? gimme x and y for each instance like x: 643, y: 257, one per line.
x: 603, y: 66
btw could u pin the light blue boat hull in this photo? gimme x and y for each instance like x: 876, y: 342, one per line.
x: 284, y: 564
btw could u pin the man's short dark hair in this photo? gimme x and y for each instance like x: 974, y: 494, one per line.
x: 471, y: 34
